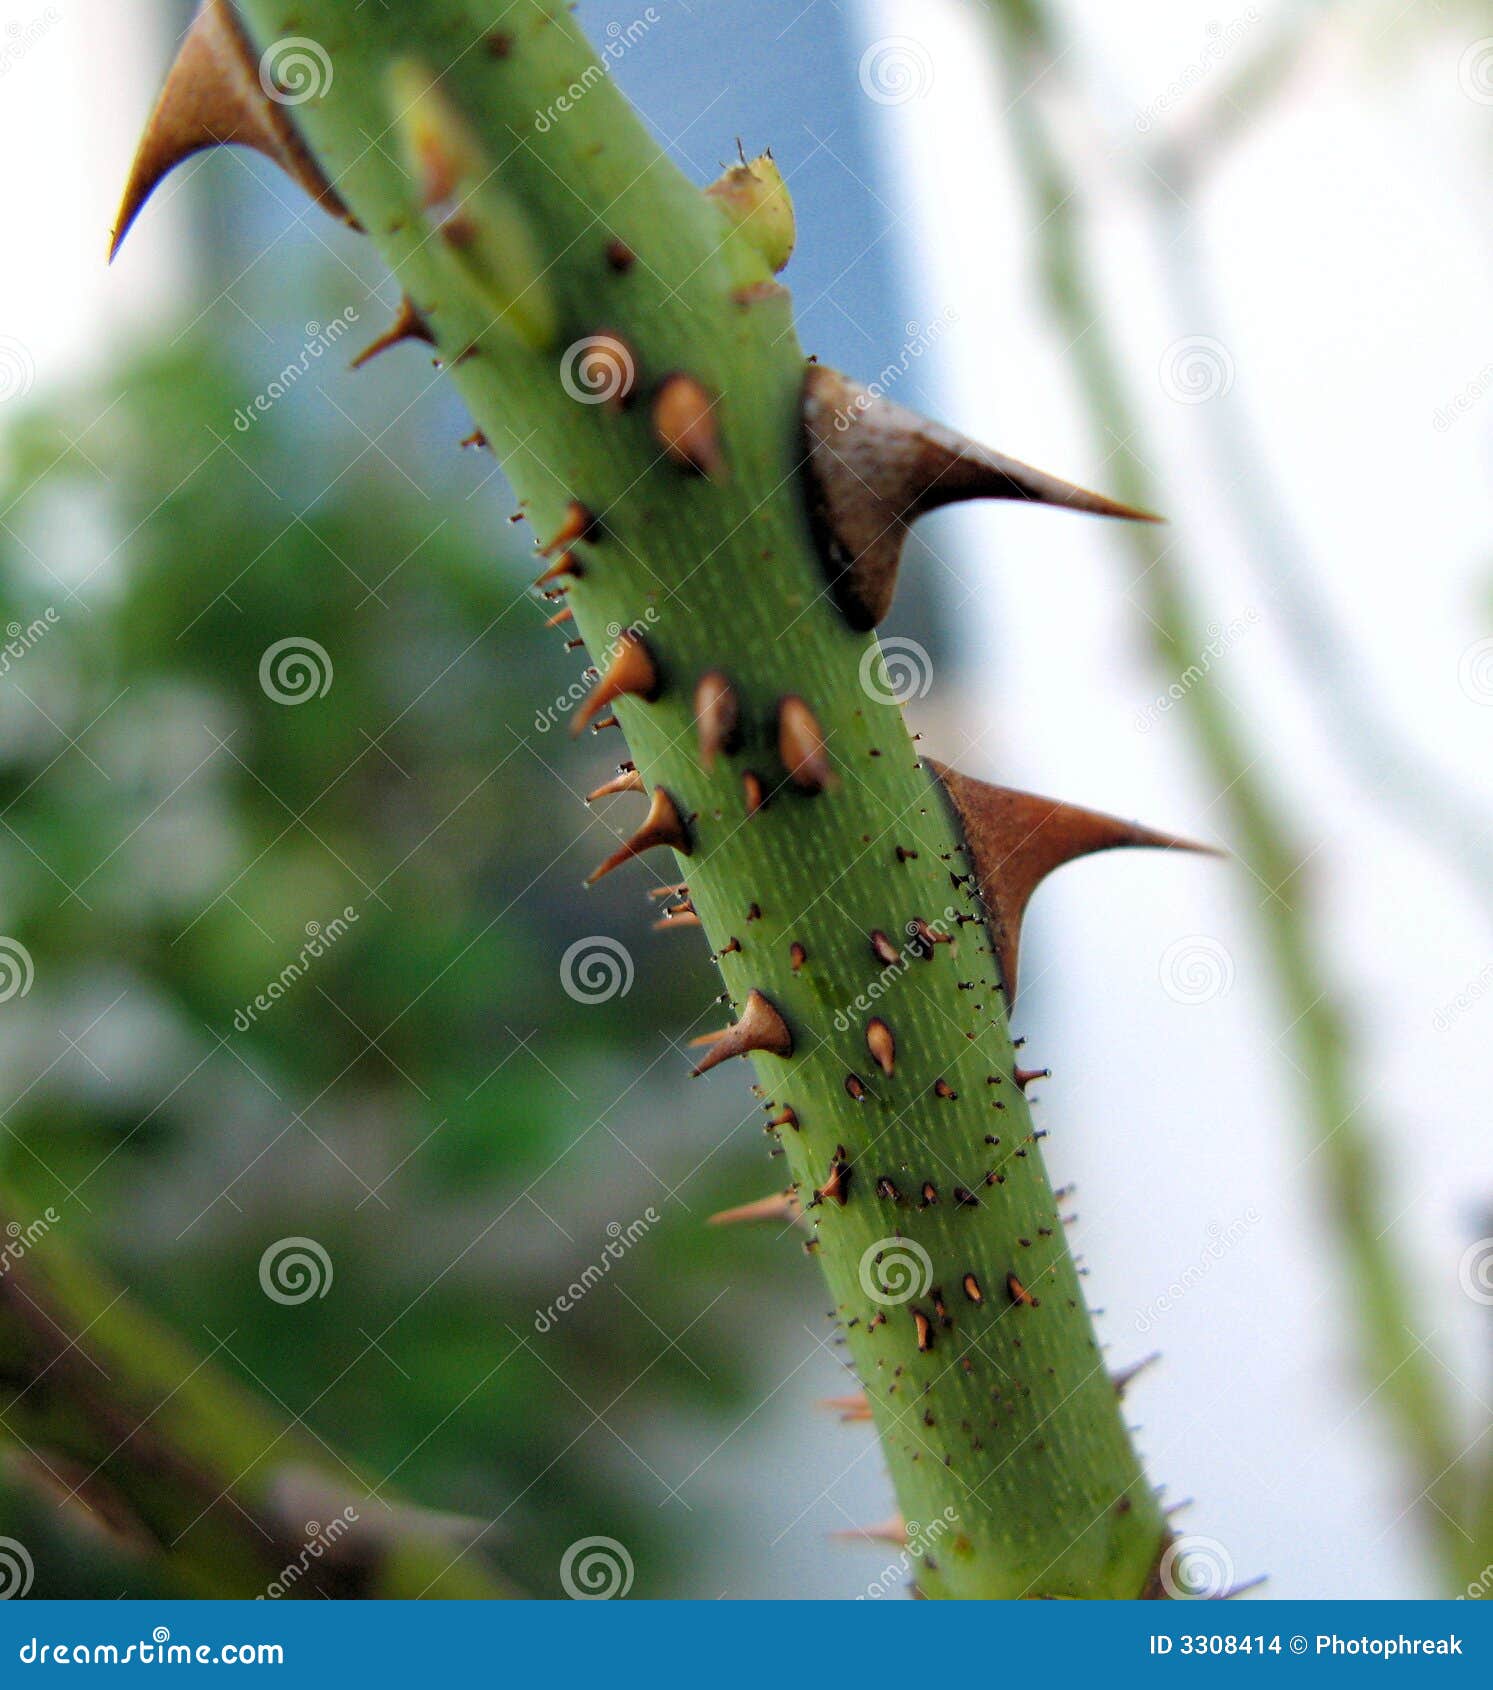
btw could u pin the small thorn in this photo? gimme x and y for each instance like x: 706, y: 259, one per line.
x: 836, y: 1187
x: 886, y: 1531
x: 561, y: 616
x: 563, y: 566
x: 1124, y: 1379
x: 855, y: 1088
x: 751, y: 789
x: 717, y: 717
x: 851, y: 1410
x: 687, y: 919
x: 924, y: 1328
x: 801, y: 746
x: 972, y: 1289
x: 632, y: 673
x: 1026, y: 1076
x: 942, y: 1088
x: 786, y: 1117
x: 797, y: 956
x: 620, y: 257
x: 1019, y: 1293
x: 884, y: 950
x: 782, y: 1206
x: 408, y: 324
x: 213, y: 97
x: 663, y: 827
x: 679, y: 891
x: 761, y: 1028
x: 882, y: 1045
x: 684, y: 422
x: 579, y: 526
x: 628, y: 781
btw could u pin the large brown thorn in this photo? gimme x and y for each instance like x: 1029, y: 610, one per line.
x: 761, y: 1027
x: 663, y: 827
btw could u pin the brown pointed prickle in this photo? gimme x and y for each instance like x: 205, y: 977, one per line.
x: 875, y: 467
x: 213, y: 97
x: 628, y: 781
x: 561, y: 616
x: 1028, y: 1076
x: 632, y: 673
x: 670, y: 922
x: 579, y: 525
x: 781, y: 1206
x: 836, y: 1187
x: 684, y: 422
x: 1015, y: 840
x: 663, y: 827
x: 801, y: 746
x: 972, y: 1289
x: 408, y: 324
x: 761, y: 1028
x: 850, y: 1409
x: 717, y: 717
x: 1126, y: 1377
x: 563, y: 566
x: 1019, y: 1294
x: 892, y: 1531
x: 752, y: 792
x: 884, y: 950
x: 882, y: 1045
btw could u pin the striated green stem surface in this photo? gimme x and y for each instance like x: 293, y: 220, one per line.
x: 1002, y: 1427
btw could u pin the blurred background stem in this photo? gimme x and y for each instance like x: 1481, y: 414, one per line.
x: 1402, y: 1378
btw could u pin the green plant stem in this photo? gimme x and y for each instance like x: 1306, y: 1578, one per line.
x: 1003, y: 1430
x: 1402, y: 1376
x: 119, y: 1417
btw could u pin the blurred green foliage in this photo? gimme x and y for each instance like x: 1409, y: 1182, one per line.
x: 426, y: 1100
